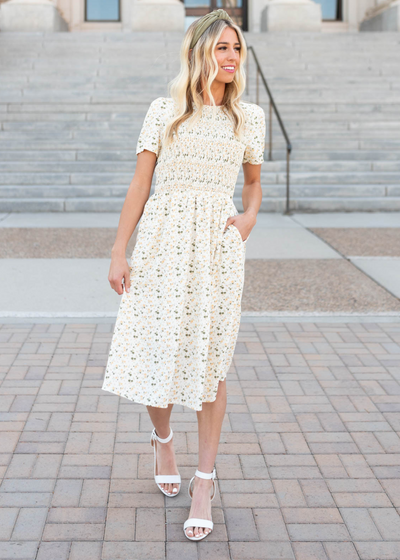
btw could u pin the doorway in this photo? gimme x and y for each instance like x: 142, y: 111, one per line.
x: 237, y: 9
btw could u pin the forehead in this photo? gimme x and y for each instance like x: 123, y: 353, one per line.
x: 228, y: 35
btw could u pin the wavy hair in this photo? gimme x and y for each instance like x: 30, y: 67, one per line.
x: 202, y: 68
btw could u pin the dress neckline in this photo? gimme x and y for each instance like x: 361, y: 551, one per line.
x: 210, y: 106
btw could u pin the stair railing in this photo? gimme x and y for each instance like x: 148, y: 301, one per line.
x: 272, y: 108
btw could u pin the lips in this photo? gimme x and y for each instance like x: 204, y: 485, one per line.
x: 230, y: 69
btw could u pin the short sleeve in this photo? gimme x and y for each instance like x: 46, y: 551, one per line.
x: 254, y: 152
x: 150, y: 134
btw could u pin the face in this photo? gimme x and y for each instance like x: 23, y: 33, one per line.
x: 227, y: 53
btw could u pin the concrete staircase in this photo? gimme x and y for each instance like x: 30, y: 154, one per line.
x: 72, y: 104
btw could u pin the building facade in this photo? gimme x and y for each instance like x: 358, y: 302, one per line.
x: 252, y: 15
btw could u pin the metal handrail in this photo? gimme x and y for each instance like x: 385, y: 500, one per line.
x: 272, y: 106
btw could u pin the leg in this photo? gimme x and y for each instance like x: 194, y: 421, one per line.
x: 210, y: 422
x: 166, y: 463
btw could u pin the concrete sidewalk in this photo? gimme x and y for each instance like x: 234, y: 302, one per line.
x: 56, y: 265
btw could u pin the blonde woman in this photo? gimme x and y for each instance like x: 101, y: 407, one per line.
x: 179, y: 316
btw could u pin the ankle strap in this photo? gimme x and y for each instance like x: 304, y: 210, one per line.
x: 161, y: 440
x: 201, y: 474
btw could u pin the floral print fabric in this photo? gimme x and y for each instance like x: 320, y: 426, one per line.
x: 176, y: 329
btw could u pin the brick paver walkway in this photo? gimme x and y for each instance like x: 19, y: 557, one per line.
x: 308, y: 465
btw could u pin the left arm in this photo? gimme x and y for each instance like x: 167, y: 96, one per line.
x: 251, y: 198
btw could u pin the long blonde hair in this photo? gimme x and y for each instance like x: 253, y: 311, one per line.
x: 186, y: 88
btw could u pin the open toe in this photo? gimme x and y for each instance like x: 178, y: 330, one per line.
x: 166, y: 480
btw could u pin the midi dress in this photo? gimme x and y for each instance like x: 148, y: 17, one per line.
x: 176, y: 329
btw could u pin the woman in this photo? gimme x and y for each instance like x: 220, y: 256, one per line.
x: 179, y: 316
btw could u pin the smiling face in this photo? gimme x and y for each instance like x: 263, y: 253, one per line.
x: 227, y: 53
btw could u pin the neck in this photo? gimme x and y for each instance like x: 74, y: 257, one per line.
x: 218, y: 92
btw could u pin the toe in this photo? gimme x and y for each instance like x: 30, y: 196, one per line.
x: 189, y: 531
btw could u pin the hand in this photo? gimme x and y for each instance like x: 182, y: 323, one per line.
x: 119, y: 270
x: 243, y: 222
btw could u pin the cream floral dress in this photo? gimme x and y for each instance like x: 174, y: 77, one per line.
x: 176, y: 329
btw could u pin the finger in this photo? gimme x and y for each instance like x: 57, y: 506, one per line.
x: 117, y: 286
x: 228, y: 222
x: 127, y: 282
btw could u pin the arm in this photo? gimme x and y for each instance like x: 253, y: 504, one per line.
x: 251, y: 198
x: 252, y: 161
x: 132, y: 210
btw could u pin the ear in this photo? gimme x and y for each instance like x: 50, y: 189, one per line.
x: 190, y: 54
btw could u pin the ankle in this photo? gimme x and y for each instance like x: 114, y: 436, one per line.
x: 163, y: 434
x: 203, y: 482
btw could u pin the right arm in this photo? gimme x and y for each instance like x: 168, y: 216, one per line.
x: 132, y: 210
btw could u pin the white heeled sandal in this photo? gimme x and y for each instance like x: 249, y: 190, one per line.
x: 195, y: 521
x: 164, y: 478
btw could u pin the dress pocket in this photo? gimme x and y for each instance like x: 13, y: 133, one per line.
x: 243, y: 241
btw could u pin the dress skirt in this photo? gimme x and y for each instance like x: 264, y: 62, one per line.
x: 176, y: 329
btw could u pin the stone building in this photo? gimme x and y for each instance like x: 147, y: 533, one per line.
x: 176, y: 15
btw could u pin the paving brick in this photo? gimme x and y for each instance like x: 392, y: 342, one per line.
x: 245, y: 486
x: 85, y: 551
x: 275, y: 550
x: 102, y: 443
x: 318, y: 532
x: 137, y: 500
x: 88, y: 460
x: 212, y: 550
x: 85, y: 472
x: 289, y: 493
x: 125, y: 466
x: 312, y: 515
x: 29, y: 524
x: 60, y: 422
x: 37, y: 421
x: 76, y: 515
x: 270, y: 524
x: 25, y: 499
x: 392, y: 488
x: 120, y: 524
x: 47, y: 466
x: 381, y: 550
x: 8, y: 517
x: 18, y: 550
x: 240, y: 524
x: 67, y: 493
x: 254, y: 467
x: 150, y: 524
x: 361, y: 499
x: 21, y: 466
x: 94, y: 493
x: 387, y: 521
x: 317, y: 493
x: 360, y: 524
x: 52, y: 550
x: 341, y: 551
x: 73, y: 531
x: 309, y: 551
x: 130, y: 549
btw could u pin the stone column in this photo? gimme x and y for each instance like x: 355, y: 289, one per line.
x: 31, y: 15
x: 157, y: 15
x: 291, y: 15
x: 383, y: 17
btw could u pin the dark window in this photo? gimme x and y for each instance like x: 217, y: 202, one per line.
x: 331, y: 9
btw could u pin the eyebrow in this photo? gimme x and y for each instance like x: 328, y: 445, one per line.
x: 226, y: 43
